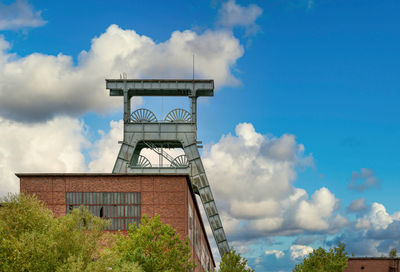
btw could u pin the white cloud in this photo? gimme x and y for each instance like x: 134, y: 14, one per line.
x: 378, y: 217
x: 39, y: 86
x: 19, y: 14
x: 232, y: 15
x: 104, y: 152
x: 243, y: 169
x: 373, y: 233
x: 278, y: 253
x: 362, y: 223
x: 357, y: 205
x: 294, y: 212
x: 364, y: 180
x: 313, y: 215
x: 53, y: 146
x: 299, y: 251
x: 252, y: 177
x: 375, y: 217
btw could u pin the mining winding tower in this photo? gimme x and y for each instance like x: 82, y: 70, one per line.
x: 178, y: 129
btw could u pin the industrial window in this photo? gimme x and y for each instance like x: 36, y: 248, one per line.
x: 197, y: 240
x: 190, y: 224
x: 122, y: 208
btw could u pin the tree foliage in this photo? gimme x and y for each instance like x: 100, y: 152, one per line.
x: 155, y: 247
x: 233, y: 262
x: 107, y: 261
x: 321, y: 260
x: 33, y: 240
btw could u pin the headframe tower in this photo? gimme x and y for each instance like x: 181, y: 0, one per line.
x: 177, y: 130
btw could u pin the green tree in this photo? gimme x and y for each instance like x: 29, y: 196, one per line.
x: 321, y: 260
x: 107, y: 261
x: 154, y: 246
x: 393, y: 253
x: 24, y: 224
x: 233, y: 262
x: 110, y: 261
x: 33, y: 240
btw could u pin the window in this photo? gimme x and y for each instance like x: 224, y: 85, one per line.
x: 122, y: 208
x: 190, y: 224
x: 197, y: 240
x: 203, y: 256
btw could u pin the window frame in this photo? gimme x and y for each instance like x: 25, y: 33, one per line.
x: 127, y: 202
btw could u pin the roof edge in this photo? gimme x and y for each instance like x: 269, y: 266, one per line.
x: 373, y: 258
x: 95, y: 174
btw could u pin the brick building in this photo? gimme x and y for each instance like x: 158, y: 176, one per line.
x: 373, y: 264
x: 124, y: 198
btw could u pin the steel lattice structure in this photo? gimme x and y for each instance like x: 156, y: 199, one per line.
x: 177, y: 130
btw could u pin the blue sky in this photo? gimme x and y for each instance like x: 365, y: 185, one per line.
x: 306, y: 91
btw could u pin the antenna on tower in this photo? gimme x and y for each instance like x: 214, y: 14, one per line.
x: 193, y: 67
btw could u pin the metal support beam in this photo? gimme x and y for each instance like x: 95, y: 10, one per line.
x: 161, y: 87
x: 194, y: 110
x: 127, y: 104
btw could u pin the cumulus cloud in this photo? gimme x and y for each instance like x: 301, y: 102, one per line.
x: 378, y: 216
x: 357, y: 205
x: 53, y: 146
x: 278, y: 253
x: 39, y: 86
x: 19, y: 14
x: 232, y: 15
x: 252, y: 177
x: 363, y: 180
x: 308, y: 239
x: 57, y: 145
x: 373, y: 233
x: 104, y: 151
x: 375, y: 218
x: 275, y: 264
x: 312, y: 214
x: 299, y: 251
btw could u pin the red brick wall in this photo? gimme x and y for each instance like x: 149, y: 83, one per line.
x: 168, y: 196
x: 372, y: 265
x: 163, y: 195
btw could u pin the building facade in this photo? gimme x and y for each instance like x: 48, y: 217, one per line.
x: 124, y: 198
x: 373, y: 264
